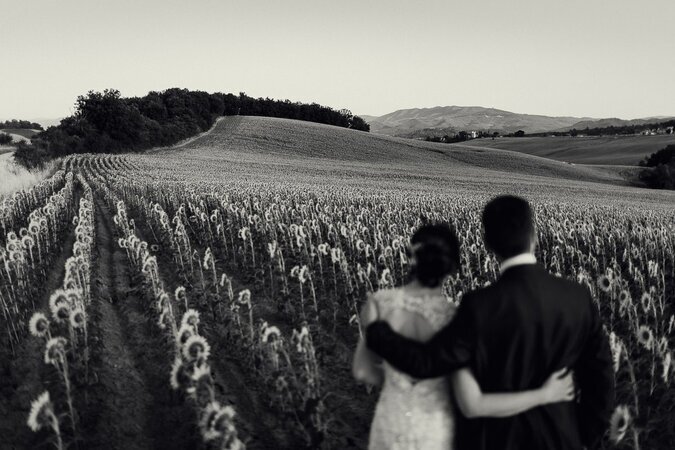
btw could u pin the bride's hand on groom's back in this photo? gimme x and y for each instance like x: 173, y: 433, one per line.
x: 559, y: 387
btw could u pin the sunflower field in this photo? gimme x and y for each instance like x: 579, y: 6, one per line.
x: 203, y: 307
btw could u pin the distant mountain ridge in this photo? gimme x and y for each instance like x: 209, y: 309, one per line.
x: 418, y: 122
x: 615, y: 122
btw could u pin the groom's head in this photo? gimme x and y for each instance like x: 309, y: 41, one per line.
x: 508, y: 224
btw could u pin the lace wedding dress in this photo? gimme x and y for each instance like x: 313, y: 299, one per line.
x: 413, y: 414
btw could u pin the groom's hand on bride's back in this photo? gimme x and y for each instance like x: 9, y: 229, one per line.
x: 450, y: 349
x: 377, y: 333
x: 371, y: 322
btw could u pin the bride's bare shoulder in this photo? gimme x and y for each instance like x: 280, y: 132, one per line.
x: 377, y: 304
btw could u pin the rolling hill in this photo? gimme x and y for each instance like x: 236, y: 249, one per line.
x: 601, y: 150
x: 19, y: 134
x: 271, y: 150
x: 441, y: 120
x: 405, y: 122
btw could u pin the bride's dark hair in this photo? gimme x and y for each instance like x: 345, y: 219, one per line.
x: 435, y: 249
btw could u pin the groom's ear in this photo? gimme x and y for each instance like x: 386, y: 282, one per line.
x: 482, y: 235
x: 487, y: 246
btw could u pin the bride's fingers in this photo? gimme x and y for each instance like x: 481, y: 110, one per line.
x: 569, y: 378
x: 566, y: 394
x: 559, y: 373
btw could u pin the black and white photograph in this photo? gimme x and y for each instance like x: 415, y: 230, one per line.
x: 309, y: 224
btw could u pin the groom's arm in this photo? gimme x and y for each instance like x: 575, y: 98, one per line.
x: 595, y: 377
x: 450, y: 349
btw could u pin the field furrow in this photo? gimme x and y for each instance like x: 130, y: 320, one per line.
x: 134, y: 406
x: 261, y: 428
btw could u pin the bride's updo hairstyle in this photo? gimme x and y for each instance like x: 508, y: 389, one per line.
x: 434, y: 252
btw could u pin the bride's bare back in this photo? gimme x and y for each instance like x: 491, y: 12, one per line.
x: 419, y: 314
x: 411, y: 413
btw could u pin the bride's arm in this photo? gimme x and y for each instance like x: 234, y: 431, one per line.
x: 474, y: 403
x: 366, y: 366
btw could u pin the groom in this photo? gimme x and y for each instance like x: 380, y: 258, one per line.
x: 512, y: 335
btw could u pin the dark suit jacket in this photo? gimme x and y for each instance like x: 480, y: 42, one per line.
x: 513, y: 335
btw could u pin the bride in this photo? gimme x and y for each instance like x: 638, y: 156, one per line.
x: 418, y: 414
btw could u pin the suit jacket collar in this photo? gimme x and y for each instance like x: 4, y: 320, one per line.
x: 518, y: 260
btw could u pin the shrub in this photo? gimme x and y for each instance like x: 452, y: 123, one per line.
x: 5, y: 139
x: 663, y: 156
x: 659, y: 172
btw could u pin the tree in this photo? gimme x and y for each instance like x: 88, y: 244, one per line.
x: 663, y: 156
x: 5, y: 139
x: 106, y: 122
x: 30, y: 156
x: 660, y: 177
x: 519, y: 133
x: 21, y: 124
x: 358, y: 123
x: 659, y: 172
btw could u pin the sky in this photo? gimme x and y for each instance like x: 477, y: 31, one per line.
x: 585, y: 58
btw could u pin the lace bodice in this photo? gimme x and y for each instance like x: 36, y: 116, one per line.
x: 436, y: 309
x: 411, y: 413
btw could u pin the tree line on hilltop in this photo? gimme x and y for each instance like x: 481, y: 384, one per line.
x: 106, y: 122
x: 20, y: 124
x: 665, y: 127
x: 625, y: 130
x: 461, y: 136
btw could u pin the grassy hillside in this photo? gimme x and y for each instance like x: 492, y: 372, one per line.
x: 19, y: 133
x: 602, y: 150
x: 15, y: 177
x: 285, y: 151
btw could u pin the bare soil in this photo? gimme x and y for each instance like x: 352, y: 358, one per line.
x: 257, y: 423
x: 133, y: 405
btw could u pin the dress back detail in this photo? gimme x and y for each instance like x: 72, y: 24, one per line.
x: 411, y: 413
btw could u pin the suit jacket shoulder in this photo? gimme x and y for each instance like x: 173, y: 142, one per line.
x: 573, y: 291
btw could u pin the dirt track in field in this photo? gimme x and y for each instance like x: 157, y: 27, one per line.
x: 136, y: 403
x: 136, y: 408
x: 257, y: 424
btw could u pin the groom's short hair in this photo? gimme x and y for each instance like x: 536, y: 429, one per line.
x: 508, y: 223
